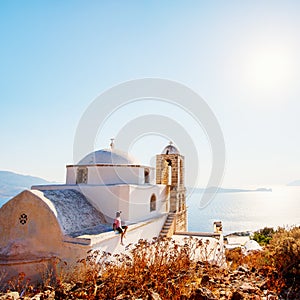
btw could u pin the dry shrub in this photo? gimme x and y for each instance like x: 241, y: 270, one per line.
x: 282, y: 254
x: 3, y: 275
x: 234, y: 257
x: 169, y: 269
x: 284, y: 251
x: 260, y: 263
x: 19, y: 283
x: 162, y: 265
x: 279, y: 262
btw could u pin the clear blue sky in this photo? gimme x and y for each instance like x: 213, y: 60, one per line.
x: 242, y: 57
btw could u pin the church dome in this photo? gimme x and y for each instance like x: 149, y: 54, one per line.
x: 170, y: 149
x: 108, y: 157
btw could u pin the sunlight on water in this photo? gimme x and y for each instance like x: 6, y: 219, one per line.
x: 246, y: 211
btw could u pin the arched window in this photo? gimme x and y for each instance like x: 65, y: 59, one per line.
x: 169, y: 174
x: 147, y: 175
x: 153, y: 203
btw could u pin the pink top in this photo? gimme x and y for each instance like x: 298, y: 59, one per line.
x: 118, y: 222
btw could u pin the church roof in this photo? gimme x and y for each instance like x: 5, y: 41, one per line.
x: 109, y: 157
x: 75, y: 214
x: 170, y: 149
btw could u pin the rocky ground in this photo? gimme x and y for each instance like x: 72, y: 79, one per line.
x: 241, y: 283
x: 164, y: 270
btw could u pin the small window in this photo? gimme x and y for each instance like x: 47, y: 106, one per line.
x: 147, y: 175
x: 153, y: 203
x: 82, y: 175
x: 168, y: 172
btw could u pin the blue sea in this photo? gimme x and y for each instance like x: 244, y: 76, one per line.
x: 246, y: 211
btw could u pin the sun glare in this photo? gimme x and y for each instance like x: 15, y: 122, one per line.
x: 269, y: 70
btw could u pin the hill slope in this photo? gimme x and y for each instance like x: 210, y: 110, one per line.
x: 12, y: 183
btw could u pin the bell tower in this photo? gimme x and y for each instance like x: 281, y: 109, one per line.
x: 170, y: 172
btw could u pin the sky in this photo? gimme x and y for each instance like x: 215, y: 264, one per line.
x: 241, y: 57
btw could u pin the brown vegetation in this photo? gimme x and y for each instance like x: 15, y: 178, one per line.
x: 163, y: 269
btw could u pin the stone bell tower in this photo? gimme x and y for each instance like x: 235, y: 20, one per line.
x: 170, y: 172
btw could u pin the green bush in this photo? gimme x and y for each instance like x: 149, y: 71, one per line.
x: 263, y: 236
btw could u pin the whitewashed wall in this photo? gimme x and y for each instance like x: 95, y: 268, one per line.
x: 132, y: 200
x: 108, y: 199
x: 112, y: 174
x: 140, y: 196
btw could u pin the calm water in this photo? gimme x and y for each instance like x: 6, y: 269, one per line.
x: 246, y: 210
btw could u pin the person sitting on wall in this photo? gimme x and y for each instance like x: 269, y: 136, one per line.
x: 117, y: 226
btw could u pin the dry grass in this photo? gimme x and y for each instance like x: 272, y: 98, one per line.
x: 169, y: 269
x: 161, y: 265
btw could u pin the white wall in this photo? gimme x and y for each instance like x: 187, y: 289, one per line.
x: 152, y: 176
x: 108, y: 199
x: 110, y: 242
x: 132, y: 200
x: 140, y: 201
x: 71, y: 175
x: 111, y: 174
x: 106, y: 191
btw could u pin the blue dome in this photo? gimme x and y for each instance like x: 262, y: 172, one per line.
x: 170, y: 149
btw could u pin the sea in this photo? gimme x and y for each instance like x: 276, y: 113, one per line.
x: 245, y: 211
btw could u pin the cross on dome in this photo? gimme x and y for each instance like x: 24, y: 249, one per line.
x: 112, y: 143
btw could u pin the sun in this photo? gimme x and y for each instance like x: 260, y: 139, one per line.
x: 269, y: 69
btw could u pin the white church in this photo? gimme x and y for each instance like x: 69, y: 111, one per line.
x: 66, y: 221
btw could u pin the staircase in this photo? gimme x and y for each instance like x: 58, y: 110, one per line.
x: 165, y: 232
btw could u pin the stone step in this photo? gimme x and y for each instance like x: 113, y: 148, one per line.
x: 168, y: 223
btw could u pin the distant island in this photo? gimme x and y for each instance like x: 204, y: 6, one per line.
x: 294, y: 183
x: 213, y: 189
